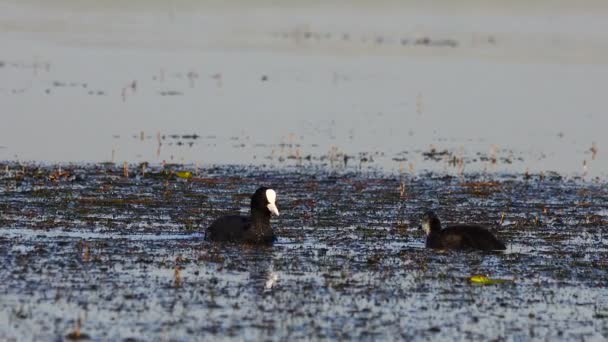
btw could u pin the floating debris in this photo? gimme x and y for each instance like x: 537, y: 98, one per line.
x: 481, y: 279
x: 170, y: 93
x: 77, y: 334
x: 184, y: 174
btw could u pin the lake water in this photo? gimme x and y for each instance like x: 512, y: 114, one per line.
x: 361, y: 115
x: 258, y: 84
x: 125, y: 257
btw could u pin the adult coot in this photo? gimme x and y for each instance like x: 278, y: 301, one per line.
x: 254, y: 229
x: 460, y: 236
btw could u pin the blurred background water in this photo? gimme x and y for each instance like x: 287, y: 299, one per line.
x: 266, y: 82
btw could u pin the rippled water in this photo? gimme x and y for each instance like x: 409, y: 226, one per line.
x: 127, y: 258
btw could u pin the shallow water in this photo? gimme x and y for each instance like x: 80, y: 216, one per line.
x: 349, y: 262
x: 360, y: 116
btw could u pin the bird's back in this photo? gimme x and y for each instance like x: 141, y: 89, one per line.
x: 228, y: 228
x: 468, y: 237
x: 236, y: 228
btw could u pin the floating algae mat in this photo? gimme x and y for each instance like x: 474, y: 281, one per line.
x: 105, y: 252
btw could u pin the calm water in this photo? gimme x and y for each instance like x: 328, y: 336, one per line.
x: 101, y: 84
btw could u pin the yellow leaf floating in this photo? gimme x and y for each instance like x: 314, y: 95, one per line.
x: 485, y: 280
x: 184, y: 174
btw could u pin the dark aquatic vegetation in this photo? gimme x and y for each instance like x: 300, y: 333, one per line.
x: 124, y: 254
x: 460, y: 236
x: 255, y: 229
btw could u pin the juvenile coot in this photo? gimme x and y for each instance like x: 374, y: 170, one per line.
x: 460, y: 236
x: 254, y: 229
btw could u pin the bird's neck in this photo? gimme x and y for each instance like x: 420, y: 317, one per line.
x: 435, y: 227
x: 260, y: 220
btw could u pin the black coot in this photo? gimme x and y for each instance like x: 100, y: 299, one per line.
x: 254, y: 229
x: 460, y: 236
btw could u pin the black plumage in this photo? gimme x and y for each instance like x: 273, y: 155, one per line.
x: 253, y: 229
x: 460, y: 236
